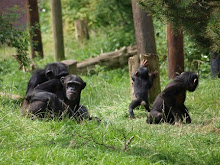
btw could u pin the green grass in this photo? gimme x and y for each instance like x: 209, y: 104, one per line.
x: 26, y: 141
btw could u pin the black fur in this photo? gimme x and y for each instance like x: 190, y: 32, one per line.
x: 56, y: 97
x: 51, y: 71
x: 169, y: 104
x: 142, y: 82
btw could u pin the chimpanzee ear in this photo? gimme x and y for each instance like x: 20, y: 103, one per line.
x: 83, y: 85
x: 195, y: 80
x: 136, y: 74
x: 49, y: 74
x: 62, y: 80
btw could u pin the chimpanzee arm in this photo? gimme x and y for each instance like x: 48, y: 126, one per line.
x: 50, y: 86
x: 185, y: 114
x: 132, y: 106
x: 133, y: 78
x: 38, y: 77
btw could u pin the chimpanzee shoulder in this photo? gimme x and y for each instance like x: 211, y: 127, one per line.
x: 54, y: 70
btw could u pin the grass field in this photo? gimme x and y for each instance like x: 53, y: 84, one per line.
x: 26, y: 141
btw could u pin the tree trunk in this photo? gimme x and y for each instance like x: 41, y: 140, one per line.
x: 133, y: 63
x: 81, y: 30
x: 72, y: 66
x: 144, y: 30
x: 57, y: 29
x: 175, y: 53
x: 215, y: 64
x: 145, y: 39
x: 35, y: 35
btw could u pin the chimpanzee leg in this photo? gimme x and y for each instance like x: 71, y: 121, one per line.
x: 185, y: 114
x: 181, y: 114
x: 146, y: 105
x: 132, y: 106
x: 43, y: 102
x: 154, y: 117
x: 83, y: 112
x: 38, y: 108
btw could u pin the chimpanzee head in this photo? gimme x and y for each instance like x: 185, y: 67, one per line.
x: 142, y: 72
x: 191, y: 80
x: 73, y: 86
x: 56, y: 70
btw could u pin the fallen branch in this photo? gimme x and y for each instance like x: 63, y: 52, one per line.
x: 115, y: 59
x: 128, y: 142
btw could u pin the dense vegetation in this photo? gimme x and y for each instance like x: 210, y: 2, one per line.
x: 26, y: 141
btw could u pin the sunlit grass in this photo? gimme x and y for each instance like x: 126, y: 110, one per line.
x: 107, y: 96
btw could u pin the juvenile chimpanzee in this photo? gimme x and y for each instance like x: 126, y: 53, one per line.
x: 142, y: 83
x: 54, y: 97
x: 51, y: 71
x: 169, y: 104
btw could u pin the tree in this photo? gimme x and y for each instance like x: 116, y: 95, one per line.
x: 175, y: 52
x: 199, y: 19
x: 35, y: 33
x: 57, y: 29
x: 81, y: 30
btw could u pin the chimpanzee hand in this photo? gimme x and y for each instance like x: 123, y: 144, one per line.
x: 144, y: 63
x: 155, y: 73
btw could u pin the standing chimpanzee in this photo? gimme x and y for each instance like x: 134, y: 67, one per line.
x: 142, y: 82
x: 55, y: 97
x: 52, y: 71
x: 169, y: 104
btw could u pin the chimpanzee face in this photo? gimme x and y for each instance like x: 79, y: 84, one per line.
x: 56, y: 70
x: 191, y: 80
x: 73, y: 86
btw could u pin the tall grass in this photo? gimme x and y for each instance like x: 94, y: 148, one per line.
x: 26, y: 141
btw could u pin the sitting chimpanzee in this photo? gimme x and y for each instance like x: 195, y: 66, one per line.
x: 169, y: 104
x: 56, y: 97
x: 142, y: 83
x: 52, y: 71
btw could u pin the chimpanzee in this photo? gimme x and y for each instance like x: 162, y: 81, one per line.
x: 169, y: 104
x: 142, y: 82
x: 55, y: 97
x: 51, y: 71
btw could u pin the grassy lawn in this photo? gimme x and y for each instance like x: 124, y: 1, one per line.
x: 26, y: 141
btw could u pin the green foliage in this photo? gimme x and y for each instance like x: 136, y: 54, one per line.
x: 110, y: 26
x: 44, y: 13
x: 99, y: 12
x: 213, y: 30
x: 114, y: 38
x: 26, y: 141
x: 198, y: 18
x: 13, y: 37
x: 112, y: 17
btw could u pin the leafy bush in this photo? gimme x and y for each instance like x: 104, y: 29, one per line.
x: 16, y: 38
